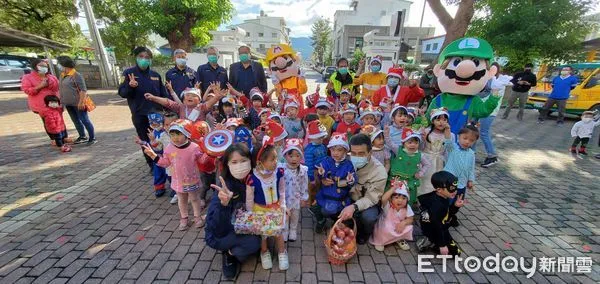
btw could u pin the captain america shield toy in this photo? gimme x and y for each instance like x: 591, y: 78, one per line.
x: 216, y: 142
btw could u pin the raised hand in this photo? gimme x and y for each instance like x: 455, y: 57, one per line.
x: 318, y: 88
x: 460, y: 202
x: 169, y: 86
x: 350, y: 178
x: 224, y: 194
x: 150, y: 134
x: 320, y: 170
x: 148, y: 151
x: 132, y: 82
x: 197, y: 85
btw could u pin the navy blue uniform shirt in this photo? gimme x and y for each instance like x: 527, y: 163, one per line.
x: 207, y: 74
x: 148, y: 82
x: 181, y: 79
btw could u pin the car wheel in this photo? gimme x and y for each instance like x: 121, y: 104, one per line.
x: 595, y: 108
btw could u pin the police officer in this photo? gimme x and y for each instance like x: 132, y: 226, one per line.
x: 212, y: 72
x: 140, y: 79
x: 181, y: 76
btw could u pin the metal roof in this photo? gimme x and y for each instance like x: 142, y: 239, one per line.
x: 17, y: 38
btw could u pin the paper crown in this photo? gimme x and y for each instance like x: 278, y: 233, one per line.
x: 234, y: 121
x: 290, y: 103
x: 155, y: 117
x: 399, y: 187
x: 192, y: 91
x: 339, y: 139
x: 256, y: 93
x: 368, y: 110
x: 243, y: 134
x: 228, y: 99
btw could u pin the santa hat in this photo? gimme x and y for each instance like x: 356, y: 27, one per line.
x: 316, y: 130
x: 234, y: 121
x: 263, y: 111
x: 408, y: 133
x: 396, y: 72
x: 385, y: 102
x: 339, y: 139
x: 274, y: 115
x: 372, y: 131
x: 399, y: 187
x: 179, y: 125
x: 192, y: 91
x: 323, y: 102
x: 228, y: 99
x: 437, y: 112
x: 267, y: 140
x: 274, y: 130
x: 376, y: 58
x: 255, y: 93
x: 397, y: 107
x: 293, y: 144
x: 412, y: 112
x: 348, y: 108
x: 313, y: 98
x: 367, y: 111
x: 290, y: 103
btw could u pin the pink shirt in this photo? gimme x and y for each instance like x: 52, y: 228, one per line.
x: 35, y: 98
x: 184, y: 170
x: 194, y: 114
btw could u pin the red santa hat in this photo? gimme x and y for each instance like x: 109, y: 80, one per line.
x: 339, y: 139
x: 396, y: 72
x: 348, y: 108
x: 368, y: 110
x: 274, y: 130
x: 408, y: 133
x: 267, y: 140
x: 293, y: 144
x: 264, y: 111
x: 290, y: 103
x: 397, y: 107
x: 385, y: 102
x: 399, y: 187
x: 313, y: 98
x: 316, y: 130
x: 255, y: 93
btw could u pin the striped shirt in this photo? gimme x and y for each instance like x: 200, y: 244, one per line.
x: 460, y: 162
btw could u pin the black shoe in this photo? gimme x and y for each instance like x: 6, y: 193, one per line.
x: 230, y: 266
x: 597, y: 156
x: 361, y: 240
x: 80, y: 140
x: 92, y: 141
x: 320, y: 227
x: 454, y: 222
x: 489, y: 161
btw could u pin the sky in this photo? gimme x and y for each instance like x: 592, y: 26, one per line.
x: 300, y: 14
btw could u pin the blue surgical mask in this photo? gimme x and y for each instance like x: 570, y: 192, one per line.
x: 375, y: 68
x: 143, y: 62
x: 213, y: 58
x: 244, y: 57
x: 343, y: 70
x: 359, y: 162
x: 181, y: 61
x: 393, y: 82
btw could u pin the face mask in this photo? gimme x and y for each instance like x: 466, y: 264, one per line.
x: 60, y: 67
x: 343, y: 70
x: 43, y: 70
x: 393, y: 82
x: 181, y: 61
x: 213, y: 58
x: 241, y: 170
x: 359, y: 162
x: 586, y: 119
x: 143, y: 62
x: 244, y: 57
x: 375, y: 68
x: 265, y: 172
x: 55, y: 105
x: 564, y: 73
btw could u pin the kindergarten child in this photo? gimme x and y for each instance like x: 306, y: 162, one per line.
x: 323, y: 107
x: 380, y: 151
x: 311, y: 102
x: 582, y: 132
x: 337, y: 176
x: 368, y: 116
x: 461, y: 161
x: 191, y: 108
x: 408, y: 165
x: 182, y: 155
x: 348, y: 123
x: 399, y: 120
x: 256, y: 99
x: 435, y: 210
x: 395, y: 224
x: 165, y: 140
x: 291, y: 122
x: 314, y: 153
x: 265, y: 191
x: 54, y: 123
x: 296, y: 185
x: 227, y: 109
x: 156, y: 132
x: 433, y: 149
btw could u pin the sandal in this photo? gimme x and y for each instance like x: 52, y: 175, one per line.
x: 183, y: 224
x: 199, y: 221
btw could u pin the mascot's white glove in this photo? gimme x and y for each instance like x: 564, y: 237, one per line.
x: 274, y: 80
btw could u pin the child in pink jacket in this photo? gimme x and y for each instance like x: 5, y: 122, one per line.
x: 52, y: 115
x: 182, y: 155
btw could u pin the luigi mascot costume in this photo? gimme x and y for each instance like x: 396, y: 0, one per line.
x: 463, y: 69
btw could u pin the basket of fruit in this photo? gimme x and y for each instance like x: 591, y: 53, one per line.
x: 341, y: 243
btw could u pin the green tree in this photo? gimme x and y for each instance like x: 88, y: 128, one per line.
x: 525, y: 30
x: 356, y: 57
x: 321, y: 40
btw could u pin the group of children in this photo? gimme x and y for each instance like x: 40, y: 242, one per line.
x: 300, y: 159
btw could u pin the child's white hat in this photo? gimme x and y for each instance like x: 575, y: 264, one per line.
x: 339, y: 139
x: 437, y: 112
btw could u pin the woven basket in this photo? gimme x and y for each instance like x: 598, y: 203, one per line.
x: 335, y: 258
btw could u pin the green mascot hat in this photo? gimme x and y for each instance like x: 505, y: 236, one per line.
x: 468, y: 46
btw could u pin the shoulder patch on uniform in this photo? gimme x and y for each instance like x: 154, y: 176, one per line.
x: 425, y: 216
x: 155, y: 78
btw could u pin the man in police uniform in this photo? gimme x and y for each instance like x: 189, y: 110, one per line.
x: 212, y: 72
x: 139, y: 80
x: 181, y: 76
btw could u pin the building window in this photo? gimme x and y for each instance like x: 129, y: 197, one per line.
x: 435, y: 46
x: 273, y: 35
x: 261, y: 46
x: 428, y: 47
x: 261, y: 35
x: 247, y: 34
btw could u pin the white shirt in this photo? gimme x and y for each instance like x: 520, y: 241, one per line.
x: 583, y: 129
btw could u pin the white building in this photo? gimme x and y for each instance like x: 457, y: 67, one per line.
x: 227, y: 42
x: 380, y: 42
x: 431, y: 47
x: 265, y: 31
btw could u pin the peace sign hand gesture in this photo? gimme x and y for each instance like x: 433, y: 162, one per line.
x: 132, y: 82
x: 350, y: 178
x: 224, y: 194
x: 459, y: 201
x: 169, y: 86
x: 320, y: 170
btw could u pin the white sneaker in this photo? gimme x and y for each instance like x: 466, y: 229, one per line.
x: 403, y: 245
x: 292, y: 236
x: 173, y: 199
x: 379, y: 248
x: 266, y: 261
x: 284, y: 263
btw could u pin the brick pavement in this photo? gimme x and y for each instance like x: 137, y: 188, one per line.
x: 89, y: 216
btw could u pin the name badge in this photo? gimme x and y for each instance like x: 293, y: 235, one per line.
x: 154, y: 78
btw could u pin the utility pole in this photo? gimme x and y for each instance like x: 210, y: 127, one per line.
x: 105, y: 72
x: 417, y: 50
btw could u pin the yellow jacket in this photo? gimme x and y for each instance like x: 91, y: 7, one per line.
x: 370, y: 83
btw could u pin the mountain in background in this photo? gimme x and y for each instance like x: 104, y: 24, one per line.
x: 302, y: 45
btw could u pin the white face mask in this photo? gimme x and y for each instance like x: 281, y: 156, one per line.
x: 53, y: 104
x: 43, y: 70
x: 564, y: 73
x: 586, y: 119
x: 240, y: 170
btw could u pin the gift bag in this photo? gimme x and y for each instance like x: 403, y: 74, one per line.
x: 271, y: 223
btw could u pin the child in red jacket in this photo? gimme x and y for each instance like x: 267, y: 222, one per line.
x: 53, y: 122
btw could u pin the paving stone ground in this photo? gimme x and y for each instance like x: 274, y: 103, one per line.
x: 90, y: 217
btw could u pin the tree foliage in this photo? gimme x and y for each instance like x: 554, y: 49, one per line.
x: 356, y: 57
x: 321, y: 41
x: 524, y: 30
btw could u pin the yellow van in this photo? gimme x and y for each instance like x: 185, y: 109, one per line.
x: 586, y: 96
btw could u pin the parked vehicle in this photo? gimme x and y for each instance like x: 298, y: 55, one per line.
x: 327, y: 72
x: 12, y: 68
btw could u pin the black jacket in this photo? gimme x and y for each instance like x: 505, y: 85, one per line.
x: 259, y: 75
x: 523, y: 76
x: 434, y: 217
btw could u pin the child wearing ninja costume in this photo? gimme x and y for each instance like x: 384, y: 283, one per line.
x: 435, y: 210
